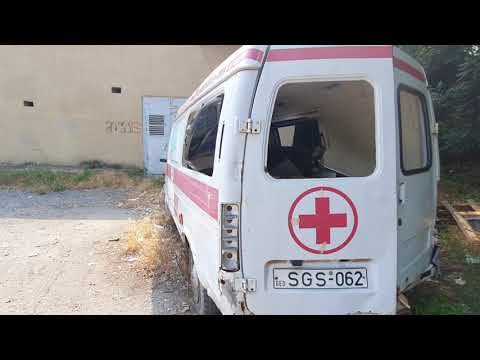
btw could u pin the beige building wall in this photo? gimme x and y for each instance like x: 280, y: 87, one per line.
x: 76, y: 117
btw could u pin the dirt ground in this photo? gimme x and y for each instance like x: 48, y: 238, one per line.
x: 65, y: 252
x: 60, y: 254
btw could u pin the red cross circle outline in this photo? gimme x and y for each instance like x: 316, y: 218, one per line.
x: 344, y: 243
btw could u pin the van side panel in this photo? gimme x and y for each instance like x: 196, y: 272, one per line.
x: 417, y: 187
x: 238, y: 95
x: 193, y: 198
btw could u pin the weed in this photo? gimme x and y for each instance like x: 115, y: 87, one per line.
x: 93, y: 164
x: 135, y: 173
x: 155, y: 243
x: 44, y: 181
x: 97, y: 164
x: 459, y: 183
x: 158, y: 182
x: 440, y: 305
x: 85, y: 175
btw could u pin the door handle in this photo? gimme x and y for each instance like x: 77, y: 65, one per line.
x: 401, y: 194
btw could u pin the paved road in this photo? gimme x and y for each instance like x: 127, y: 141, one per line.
x: 56, y: 257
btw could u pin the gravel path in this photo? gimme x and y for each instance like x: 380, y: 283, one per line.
x: 57, y: 257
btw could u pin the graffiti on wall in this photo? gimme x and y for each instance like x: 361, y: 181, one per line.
x: 123, y: 127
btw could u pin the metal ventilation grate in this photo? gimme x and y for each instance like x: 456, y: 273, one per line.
x: 156, y: 125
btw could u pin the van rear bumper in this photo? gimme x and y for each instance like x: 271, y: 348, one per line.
x: 272, y: 297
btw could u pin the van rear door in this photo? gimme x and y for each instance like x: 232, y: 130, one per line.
x: 417, y: 168
x: 318, y: 215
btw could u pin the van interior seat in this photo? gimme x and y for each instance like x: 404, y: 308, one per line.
x: 281, y: 160
x: 301, y: 157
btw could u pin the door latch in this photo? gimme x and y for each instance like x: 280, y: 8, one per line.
x: 401, y: 194
x: 250, y: 127
x: 245, y: 285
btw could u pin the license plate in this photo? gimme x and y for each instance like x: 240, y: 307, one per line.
x: 354, y: 278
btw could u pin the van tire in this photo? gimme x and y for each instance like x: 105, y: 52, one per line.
x: 202, y: 304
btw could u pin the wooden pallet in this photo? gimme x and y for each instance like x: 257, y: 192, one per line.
x: 461, y: 213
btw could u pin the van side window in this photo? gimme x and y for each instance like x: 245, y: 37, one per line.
x: 172, y: 143
x: 414, y: 139
x: 201, y: 138
x: 322, y: 130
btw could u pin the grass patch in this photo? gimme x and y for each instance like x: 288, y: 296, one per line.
x: 154, y: 243
x: 461, y: 182
x: 45, y: 181
x: 459, y: 188
x: 444, y: 296
x: 97, y: 164
x: 158, y: 181
x: 135, y: 173
x: 42, y: 181
x: 440, y: 305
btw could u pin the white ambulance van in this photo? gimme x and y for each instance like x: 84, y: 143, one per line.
x: 303, y: 181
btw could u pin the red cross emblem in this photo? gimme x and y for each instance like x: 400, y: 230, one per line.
x: 322, y: 221
x: 333, y: 230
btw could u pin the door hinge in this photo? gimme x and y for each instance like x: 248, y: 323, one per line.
x: 245, y: 285
x: 250, y: 127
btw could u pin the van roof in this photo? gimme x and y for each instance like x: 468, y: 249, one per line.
x: 246, y: 57
x: 251, y: 57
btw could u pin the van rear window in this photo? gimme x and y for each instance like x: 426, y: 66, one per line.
x: 201, y: 138
x: 414, y: 139
x: 322, y: 130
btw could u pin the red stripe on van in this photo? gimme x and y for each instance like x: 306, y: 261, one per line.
x: 409, y: 69
x: 204, y: 196
x: 337, y: 52
x: 345, y: 52
x: 254, y: 54
x: 250, y: 54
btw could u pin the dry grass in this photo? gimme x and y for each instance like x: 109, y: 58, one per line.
x: 154, y: 243
x: 114, y: 180
x: 44, y: 181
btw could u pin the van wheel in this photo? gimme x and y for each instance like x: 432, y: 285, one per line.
x: 202, y: 303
